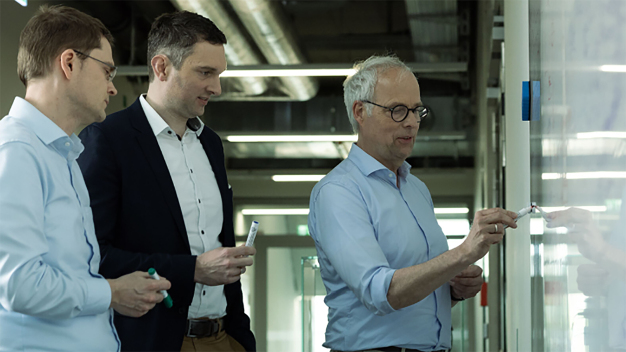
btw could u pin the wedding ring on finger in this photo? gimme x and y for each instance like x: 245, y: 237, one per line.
x: 496, y: 228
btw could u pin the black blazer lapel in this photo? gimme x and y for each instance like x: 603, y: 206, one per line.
x: 152, y: 152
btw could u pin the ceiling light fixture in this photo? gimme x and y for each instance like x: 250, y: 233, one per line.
x: 584, y: 175
x: 601, y: 134
x: 613, y: 68
x: 297, y: 178
x: 292, y: 211
x: 328, y: 72
x: 451, y: 210
x: 293, y: 138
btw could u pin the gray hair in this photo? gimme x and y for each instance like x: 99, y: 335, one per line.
x: 360, y: 86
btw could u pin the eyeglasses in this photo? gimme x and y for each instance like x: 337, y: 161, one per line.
x: 111, y: 71
x: 400, y: 112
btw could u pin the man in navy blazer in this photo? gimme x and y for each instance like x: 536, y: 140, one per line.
x: 161, y: 199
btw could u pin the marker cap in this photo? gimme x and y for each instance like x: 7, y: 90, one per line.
x: 168, y: 301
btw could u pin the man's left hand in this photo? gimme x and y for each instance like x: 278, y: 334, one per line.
x: 468, y: 283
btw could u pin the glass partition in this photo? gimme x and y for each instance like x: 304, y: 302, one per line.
x: 578, y: 159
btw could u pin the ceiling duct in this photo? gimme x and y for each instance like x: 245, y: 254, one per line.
x: 434, y: 27
x: 272, y: 34
x: 238, y: 50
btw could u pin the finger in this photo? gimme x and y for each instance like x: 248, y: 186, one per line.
x: 241, y: 262
x: 500, y: 218
x: 493, y: 211
x: 471, y: 271
x: 468, y: 282
x: 241, y: 251
x: 157, y: 285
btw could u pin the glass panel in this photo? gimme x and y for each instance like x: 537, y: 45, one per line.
x: 314, y: 310
x: 578, y: 159
x: 284, y: 298
x: 272, y: 224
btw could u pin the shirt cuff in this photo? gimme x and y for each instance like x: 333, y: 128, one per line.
x: 380, y: 295
x: 98, y: 296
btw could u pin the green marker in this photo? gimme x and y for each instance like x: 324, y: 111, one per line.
x: 167, y: 299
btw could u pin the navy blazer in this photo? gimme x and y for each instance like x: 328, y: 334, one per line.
x: 140, y: 225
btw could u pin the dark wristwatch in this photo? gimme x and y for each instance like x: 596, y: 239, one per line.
x: 456, y: 299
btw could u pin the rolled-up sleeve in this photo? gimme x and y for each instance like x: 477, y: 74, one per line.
x: 342, y: 228
x: 28, y: 284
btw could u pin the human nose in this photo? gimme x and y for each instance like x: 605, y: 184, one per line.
x: 412, y: 120
x: 215, y: 87
x: 112, y: 91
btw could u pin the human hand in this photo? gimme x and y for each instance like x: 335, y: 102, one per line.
x: 592, y: 279
x: 487, y: 229
x: 135, y: 294
x: 467, y: 283
x: 223, y: 265
x: 582, y: 230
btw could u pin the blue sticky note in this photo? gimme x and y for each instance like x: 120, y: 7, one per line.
x: 525, y: 101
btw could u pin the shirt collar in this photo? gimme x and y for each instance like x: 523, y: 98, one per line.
x: 46, y: 130
x: 159, y: 125
x: 368, y: 165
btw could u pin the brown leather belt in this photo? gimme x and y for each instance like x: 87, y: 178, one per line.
x: 203, y: 327
x: 399, y: 349
x: 393, y: 349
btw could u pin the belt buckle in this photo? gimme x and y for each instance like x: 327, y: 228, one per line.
x: 188, y: 334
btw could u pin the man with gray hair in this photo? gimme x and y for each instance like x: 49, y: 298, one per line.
x: 389, y: 276
x: 161, y: 198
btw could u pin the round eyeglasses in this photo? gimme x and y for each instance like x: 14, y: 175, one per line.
x: 399, y: 113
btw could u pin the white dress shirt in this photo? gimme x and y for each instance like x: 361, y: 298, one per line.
x: 199, y: 198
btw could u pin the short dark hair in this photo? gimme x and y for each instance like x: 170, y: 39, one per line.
x: 175, y: 34
x: 52, y: 30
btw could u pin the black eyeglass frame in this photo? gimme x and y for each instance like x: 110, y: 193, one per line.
x: 419, y: 111
x: 113, y: 68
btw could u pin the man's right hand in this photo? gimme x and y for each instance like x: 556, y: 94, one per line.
x: 223, y: 265
x: 135, y: 294
x: 487, y: 229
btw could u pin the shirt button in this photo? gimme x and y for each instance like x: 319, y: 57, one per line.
x: 191, y: 170
x: 202, y: 232
x: 170, y: 132
x: 67, y: 144
x: 199, y: 201
x: 203, y: 293
x: 390, y: 175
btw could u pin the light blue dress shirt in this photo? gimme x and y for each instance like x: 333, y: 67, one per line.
x: 51, y: 295
x: 365, y: 228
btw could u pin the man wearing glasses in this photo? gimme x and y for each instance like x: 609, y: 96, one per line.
x: 389, y: 276
x: 52, y: 297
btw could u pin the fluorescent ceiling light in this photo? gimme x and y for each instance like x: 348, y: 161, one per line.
x: 613, y: 68
x: 297, y: 178
x: 550, y: 176
x: 454, y: 227
x: 22, y: 2
x: 294, y: 138
x: 293, y: 211
x: 601, y: 134
x: 451, y: 210
x: 322, y: 72
x: 584, y: 175
x: 592, y: 208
